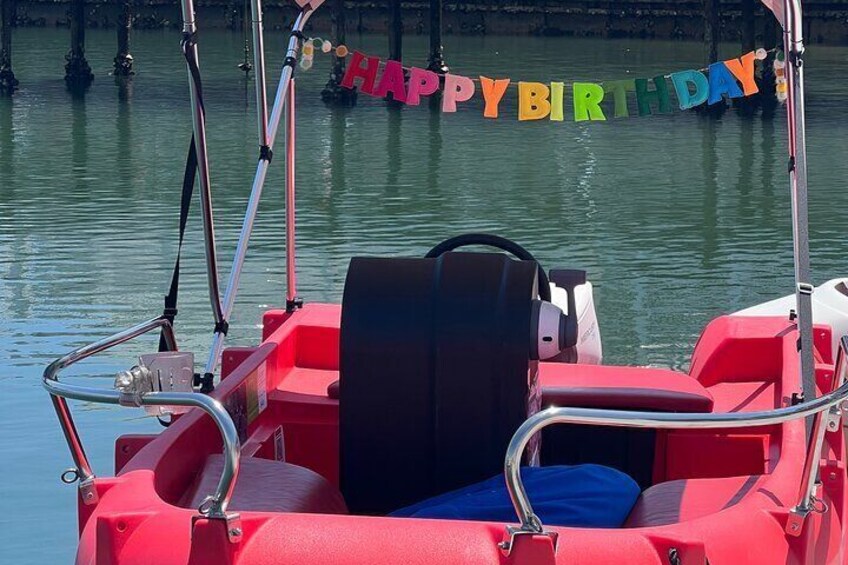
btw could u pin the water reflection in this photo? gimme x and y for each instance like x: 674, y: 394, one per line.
x: 766, y: 171
x: 393, y: 149
x: 434, y: 151
x: 709, y: 167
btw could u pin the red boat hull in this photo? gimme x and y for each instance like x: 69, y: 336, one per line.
x: 717, y: 495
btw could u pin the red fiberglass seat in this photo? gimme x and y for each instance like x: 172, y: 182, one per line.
x: 265, y: 485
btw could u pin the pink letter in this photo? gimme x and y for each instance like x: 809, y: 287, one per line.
x: 392, y: 81
x: 457, y: 89
x: 368, y: 74
x: 421, y: 82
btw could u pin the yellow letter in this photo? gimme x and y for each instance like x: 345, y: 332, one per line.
x: 533, y: 101
x: 557, y: 92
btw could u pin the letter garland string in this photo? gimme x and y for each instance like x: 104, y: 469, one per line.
x: 590, y: 101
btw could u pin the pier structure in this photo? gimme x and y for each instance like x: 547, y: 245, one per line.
x: 333, y: 93
x: 78, y: 75
x: 436, y: 58
x: 8, y: 82
x: 123, y: 60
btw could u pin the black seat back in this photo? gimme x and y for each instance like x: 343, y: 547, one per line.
x: 435, y: 374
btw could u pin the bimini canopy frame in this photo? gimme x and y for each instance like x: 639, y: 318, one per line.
x: 267, y: 132
x: 267, y: 136
x: 788, y: 13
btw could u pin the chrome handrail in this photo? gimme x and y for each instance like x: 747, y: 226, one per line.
x: 530, y: 522
x: 215, y: 506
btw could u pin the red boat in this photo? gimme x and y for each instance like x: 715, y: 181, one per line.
x: 450, y: 411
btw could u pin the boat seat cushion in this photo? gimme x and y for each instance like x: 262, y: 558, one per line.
x: 622, y: 388
x: 591, y: 496
x: 682, y: 500
x: 265, y: 485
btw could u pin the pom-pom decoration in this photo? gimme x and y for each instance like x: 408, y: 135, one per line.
x: 780, y: 77
x: 341, y: 51
x: 326, y: 47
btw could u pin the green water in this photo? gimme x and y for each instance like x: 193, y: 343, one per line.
x: 676, y: 219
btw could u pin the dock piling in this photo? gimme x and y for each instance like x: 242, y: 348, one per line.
x: 395, y: 31
x: 436, y: 60
x: 768, y: 96
x: 8, y: 82
x: 123, y: 60
x: 78, y: 75
x: 747, y: 106
x: 334, y: 93
x: 712, y: 36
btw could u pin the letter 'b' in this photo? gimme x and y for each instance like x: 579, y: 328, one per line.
x: 533, y: 101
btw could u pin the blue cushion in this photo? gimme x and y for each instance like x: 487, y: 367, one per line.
x: 591, y: 496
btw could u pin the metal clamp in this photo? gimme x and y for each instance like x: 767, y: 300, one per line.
x: 512, y: 532
x: 806, y: 288
x: 529, y: 521
x: 232, y: 520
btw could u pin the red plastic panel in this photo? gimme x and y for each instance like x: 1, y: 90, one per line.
x: 633, y: 388
x: 692, y: 454
x: 740, y: 349
x: 126, y: 447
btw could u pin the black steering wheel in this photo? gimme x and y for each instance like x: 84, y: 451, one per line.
x: 498, y: 243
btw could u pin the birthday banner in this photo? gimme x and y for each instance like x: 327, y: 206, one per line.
x: 589, y: 101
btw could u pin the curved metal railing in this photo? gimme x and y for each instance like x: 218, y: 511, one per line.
x: 215, y: 506
x: 830, y: 403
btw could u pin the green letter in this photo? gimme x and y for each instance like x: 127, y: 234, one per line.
x: 659, y: 95
x: 619, y: 89
x: 587, y: 99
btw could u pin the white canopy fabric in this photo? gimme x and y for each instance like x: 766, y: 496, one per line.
x: 776, y: 7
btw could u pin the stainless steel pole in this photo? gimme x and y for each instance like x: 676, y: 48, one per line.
x: 794, y: 49
x: 258, y: 184
x: 259, y: 65
x: 198, y: 120
x: 291, y: 274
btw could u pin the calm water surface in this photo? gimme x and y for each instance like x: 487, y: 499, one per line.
x: 676, y: 219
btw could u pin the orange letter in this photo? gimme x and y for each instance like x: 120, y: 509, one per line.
x: 493, y: 91
x: 743, y: 69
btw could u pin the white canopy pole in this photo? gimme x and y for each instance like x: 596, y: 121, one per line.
x: 794, y: 49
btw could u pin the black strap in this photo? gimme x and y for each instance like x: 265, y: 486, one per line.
x: 170, y: 311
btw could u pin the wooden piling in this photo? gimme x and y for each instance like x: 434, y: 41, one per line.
x: 78, y: 75
x: 712, y: 35
x: 123, y: 60
x: 8, y: 82
x: 712, y: 30
x: 436, y: 59
x: 333, y: 92
x: 395, y: 31
x: 768, y: 96
x: 747, y: 106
